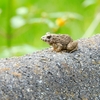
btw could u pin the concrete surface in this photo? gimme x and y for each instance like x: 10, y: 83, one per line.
x: 47, y: 75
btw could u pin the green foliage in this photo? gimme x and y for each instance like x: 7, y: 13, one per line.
x: 23, y: 22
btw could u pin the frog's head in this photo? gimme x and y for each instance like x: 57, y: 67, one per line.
x: 47, y: 37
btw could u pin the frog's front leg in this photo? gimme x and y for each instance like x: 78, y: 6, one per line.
x: 57, y: 47
x: 72, y: 46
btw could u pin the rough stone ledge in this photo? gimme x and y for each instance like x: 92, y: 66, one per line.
x: 47, y: 75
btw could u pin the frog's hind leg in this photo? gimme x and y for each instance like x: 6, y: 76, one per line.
x: 73, y: 50
x: 72, y: 46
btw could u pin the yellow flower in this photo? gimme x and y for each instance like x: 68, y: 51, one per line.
x: 60, y: 21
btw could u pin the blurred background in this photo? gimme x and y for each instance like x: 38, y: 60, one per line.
x: 23, y: 22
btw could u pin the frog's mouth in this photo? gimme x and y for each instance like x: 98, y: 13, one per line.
x: 42, y: 38
x: 45, y: 39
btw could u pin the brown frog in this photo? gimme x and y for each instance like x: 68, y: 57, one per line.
x: 60, y: 42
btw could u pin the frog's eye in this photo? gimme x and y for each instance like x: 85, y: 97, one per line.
x: 49, y: 37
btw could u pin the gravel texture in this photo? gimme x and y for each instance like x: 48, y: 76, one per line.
x: 48, y: 75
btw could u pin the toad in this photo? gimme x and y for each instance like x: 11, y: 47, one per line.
x: 60, y: 42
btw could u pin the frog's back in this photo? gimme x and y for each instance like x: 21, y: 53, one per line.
x: 64, y: 39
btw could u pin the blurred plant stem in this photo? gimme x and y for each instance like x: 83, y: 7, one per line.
x: 8, y: 26
x: 93, y: 26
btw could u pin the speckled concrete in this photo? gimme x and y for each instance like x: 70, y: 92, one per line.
x: 47, y: 75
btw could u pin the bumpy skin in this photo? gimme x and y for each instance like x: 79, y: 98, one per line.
x: 60, y: 42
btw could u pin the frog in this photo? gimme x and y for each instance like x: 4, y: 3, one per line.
x: 60, y: 42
